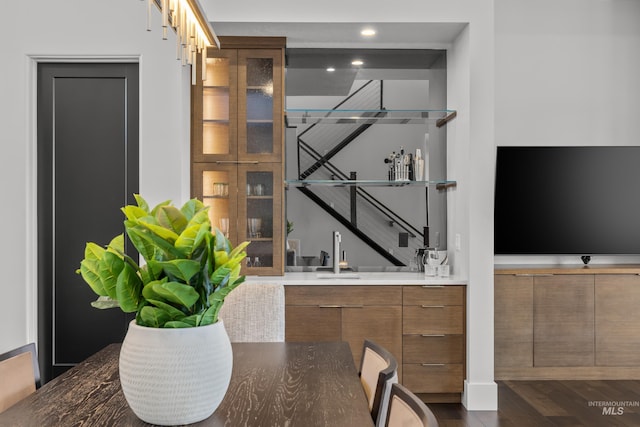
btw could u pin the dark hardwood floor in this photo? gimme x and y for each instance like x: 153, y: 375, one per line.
x: 552, y: 403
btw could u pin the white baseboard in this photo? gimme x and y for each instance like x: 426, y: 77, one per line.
x: 480, y: 396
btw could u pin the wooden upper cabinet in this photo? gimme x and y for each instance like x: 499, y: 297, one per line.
x: 237, y: 139
x: 260, y: 105
x: 215, y: 109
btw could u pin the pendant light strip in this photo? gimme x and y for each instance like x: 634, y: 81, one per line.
x: 193, y: 31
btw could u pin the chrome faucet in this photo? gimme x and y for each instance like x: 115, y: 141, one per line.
x: 337, y: 238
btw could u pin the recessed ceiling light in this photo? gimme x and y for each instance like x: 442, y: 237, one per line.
x: 331, y: 69
x: 357, y: 62
x: 368, y: 32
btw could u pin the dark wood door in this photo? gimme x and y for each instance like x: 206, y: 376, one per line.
x: 87, y: 170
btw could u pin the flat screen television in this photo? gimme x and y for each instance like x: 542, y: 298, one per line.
x: 567, y: 200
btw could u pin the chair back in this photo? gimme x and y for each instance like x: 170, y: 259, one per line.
x: 20, y: 375
x: 378, y: 371
x: 254, y: 312
x: 407, y: 410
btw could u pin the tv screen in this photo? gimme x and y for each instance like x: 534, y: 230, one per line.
x: 567, y: 200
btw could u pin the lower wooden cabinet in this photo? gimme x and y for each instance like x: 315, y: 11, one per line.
x: 564, y: 323
x: 617, y: 325
x: 433, y: 348
x: 423, y: 327
x: 345, y: 313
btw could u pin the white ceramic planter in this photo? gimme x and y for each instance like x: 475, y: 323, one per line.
x: 175, y: 376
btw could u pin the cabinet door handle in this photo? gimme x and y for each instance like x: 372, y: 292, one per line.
x: 329, y: 306
x: 353, y: 306
x: 432, y: 364
x: 432, y: 286
x: 432, y: 306
x: 433, y: 335
x: 237, y: 162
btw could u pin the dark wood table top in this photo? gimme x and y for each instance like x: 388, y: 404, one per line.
x: 272, y: 384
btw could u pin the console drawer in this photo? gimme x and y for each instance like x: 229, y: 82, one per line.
x: 433, y: 378
x: 433, y: 319
x: 433, y: 349
x: 433, y: 295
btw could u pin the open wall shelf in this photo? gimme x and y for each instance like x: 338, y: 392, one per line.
x: 298, y: 116
x: 438, y: 184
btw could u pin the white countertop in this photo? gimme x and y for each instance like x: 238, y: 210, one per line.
x: 358, y: 278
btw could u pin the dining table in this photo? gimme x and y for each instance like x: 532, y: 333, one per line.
x: 279, y: 384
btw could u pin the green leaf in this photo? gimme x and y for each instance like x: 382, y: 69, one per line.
x: 117, y: 244
x: 165, y: 234
x: 128, y: 289
x: 177, y: 293
x: 134, y: 212
x: 191, y: 207
x: 221, y: 243
x: 172, y: 219
x: 142, y: 245
x: 110, y: 267
x: 158, y: 206
x: 186, y: 242
x: 141, y: 202
x: 220, y: 276
x: 182, y: 269
x: 149, y: 293
x: 154, y: 317
x: 177, y: 324
x: 238, y: 251
x: 104, y: 302
x: 90, y: 268
x: 201, y: 217
x: 153, y: 240
x: 171, y: 310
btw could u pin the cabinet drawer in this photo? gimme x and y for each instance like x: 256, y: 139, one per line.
x: 433, y: 295
x: 437, y: 378
x: 446, y: 320
x: 433, y: 349
x: 340, y: 295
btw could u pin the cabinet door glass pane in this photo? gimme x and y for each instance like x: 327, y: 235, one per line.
x: 259, y: 105
x: 215, y: 194
x: 260, y: 218
x: 215, y: 107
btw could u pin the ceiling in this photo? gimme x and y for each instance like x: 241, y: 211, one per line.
x: 312, y: 47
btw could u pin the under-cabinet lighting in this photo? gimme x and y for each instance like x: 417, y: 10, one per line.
x: 357, y: 62
x: 331, y: 69
x: 193, y: 31
x: 368, y: 32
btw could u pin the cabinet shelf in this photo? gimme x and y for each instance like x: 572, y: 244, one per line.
x: 438, y: 184
x: 299, y: 116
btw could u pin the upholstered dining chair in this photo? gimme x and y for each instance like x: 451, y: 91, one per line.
x: 254, y: 312
x: 378, y: 371
x: 20, y: 373
x: 407, y: 410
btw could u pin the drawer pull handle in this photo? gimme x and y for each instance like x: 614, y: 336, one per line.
x: 432, y: 364
x: 432, y: 286
x: 533, y: 275
x: 329, y: 306
x: 432, y: 306
x: 237, y: 162
x: 433, y: 335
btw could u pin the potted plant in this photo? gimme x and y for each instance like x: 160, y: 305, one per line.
x: 175, y: 362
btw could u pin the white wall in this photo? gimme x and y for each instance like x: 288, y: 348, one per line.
x: 77, y: 30
x: 567, y: 74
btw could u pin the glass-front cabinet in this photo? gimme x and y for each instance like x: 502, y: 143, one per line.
x: 237, y: 148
